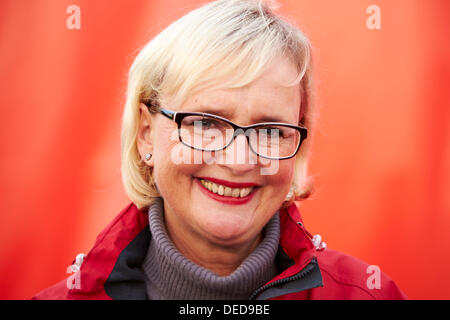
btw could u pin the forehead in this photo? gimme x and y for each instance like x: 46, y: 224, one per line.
x: 268, y: 98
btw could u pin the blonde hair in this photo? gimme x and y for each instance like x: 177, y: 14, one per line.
x: 223, y: 44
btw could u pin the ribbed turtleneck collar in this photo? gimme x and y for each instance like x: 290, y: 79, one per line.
x: 169, y: 275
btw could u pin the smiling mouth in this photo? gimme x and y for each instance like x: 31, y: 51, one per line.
x: 226, y: 191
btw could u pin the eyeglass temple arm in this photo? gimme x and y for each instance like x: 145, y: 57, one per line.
x: 169, y: 114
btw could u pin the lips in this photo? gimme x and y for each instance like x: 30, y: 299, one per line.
x: 226, y: 191
x: 229, y: 183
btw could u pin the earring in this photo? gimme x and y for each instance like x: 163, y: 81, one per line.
x: 148, y: 156
x: 290, y: 194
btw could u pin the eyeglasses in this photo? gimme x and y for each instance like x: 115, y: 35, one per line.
x: 209, y: 132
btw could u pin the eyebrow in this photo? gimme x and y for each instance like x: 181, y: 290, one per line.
x: 229, y: 115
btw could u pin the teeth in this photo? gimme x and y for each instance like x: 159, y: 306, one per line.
x: 226, y: 191
x: 244, y: 192
x: 236, y: 192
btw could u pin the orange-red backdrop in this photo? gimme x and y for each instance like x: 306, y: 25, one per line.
x: 381, y: 157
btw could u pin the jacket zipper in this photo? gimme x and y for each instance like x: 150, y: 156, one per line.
x: 307, y: 269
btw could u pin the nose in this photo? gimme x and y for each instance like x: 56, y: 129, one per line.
x: 238, y: 157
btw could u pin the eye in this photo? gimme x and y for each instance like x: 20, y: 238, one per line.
x: 196, y: 121
x: 270, y: 131
x: 206, y: 123
x: 277, y: 132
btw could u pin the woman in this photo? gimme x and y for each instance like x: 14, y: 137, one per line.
x: 216, y: 132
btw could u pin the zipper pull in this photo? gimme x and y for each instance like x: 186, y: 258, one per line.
x: 316, y: 239
x: 318, y: 243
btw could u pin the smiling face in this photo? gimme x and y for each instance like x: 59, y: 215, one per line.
x: 192, y: 207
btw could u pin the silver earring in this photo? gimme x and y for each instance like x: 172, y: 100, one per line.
x: 290, y: 194
x: 148, y: 156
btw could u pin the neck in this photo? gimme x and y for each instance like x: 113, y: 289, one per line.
x: 222, y: 260
x: 215, y: 275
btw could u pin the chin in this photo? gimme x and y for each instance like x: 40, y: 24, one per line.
x: 227, y: 230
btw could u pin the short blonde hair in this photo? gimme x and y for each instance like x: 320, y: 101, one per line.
x: 223, y: 44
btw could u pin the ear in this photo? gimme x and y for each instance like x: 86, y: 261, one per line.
x: 144, y: 134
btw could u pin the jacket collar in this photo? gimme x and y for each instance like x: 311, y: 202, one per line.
x: 112, y: 269
x: 300, y: 270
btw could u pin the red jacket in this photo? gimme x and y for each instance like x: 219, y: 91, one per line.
x: 111, y: 270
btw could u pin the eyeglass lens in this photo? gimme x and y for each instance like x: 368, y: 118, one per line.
x: 211, y: 134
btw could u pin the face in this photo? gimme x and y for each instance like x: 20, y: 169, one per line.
x: 189, y: 206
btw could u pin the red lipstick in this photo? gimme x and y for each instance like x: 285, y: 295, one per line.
x: 225, y: 199
x: 230, y: 183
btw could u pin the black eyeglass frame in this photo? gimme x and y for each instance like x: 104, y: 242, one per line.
x: 179, y: 116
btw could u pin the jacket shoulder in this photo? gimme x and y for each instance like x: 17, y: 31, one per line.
x: 346, y: 277
x: 100, y: 260
x: 58, y: 291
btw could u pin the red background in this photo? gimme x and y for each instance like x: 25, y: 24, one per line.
x: 381, y: 157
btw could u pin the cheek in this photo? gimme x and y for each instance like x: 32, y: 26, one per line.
x: 282, y: 178
x: 173, y: 163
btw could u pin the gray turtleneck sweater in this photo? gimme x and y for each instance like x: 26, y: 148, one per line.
x: 169, y: 275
